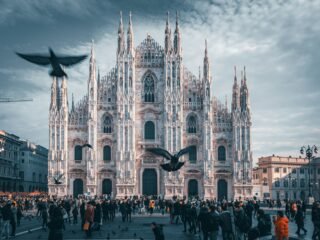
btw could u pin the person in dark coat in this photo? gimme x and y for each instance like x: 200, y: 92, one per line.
x: 75, y: 214
x: 82, y: 213
x: 44, y: 215
x: 19, y: 214
x: 203, y: 219
x: 264, y: 223
x: 214, y: 220
x: 6, y: 216
x: 299, y: 218
x: 226, y: 223
x: 56, y: 224
x: 97, y: 216
x: 157, y: 231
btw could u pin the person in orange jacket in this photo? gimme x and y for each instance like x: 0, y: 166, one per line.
x: 281, y: 226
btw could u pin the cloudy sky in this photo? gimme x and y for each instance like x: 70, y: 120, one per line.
x: 277, y: 41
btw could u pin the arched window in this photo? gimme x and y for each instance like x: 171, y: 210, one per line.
x: 193, y: 154
x: 149, y: 131
x: 107, y: 124
x: 221, y: 153
x: 78, y: 153
x: 149, y: 89
x: 107, y: 153
x: 192, y: 124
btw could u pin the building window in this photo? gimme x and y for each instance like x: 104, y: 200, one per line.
x: 294, y: 170
x: 286, y: 183
x: 221, y: 153
x: 107, y: 124
x: 193, y: 154
x: 302, y: 183
x: 277, y: 170
x: 22, y: 160
x: 264, y: 170
x: 107, y: 153
x: 192, y: 124
x: 284, y: 170
x: 294, y: 183
x: 40, y: 178
x: 277, y: 183
x: 78, y: 153
x: 149, y: 131
x: 34, y: 177
x: 149, y: 89
x: 301, y: 170
x: 21, y: 175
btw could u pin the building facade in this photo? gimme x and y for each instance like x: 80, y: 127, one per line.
x: 287, y: 177
x: 23, y: 165
x: 33, y: 171
x: 9, y: 161
x: 150, y: 99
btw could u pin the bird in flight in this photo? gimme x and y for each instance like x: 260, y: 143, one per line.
x: 55, y: 61
x: 57, y: 179
x: 174, y: 163
x: 87, y: 145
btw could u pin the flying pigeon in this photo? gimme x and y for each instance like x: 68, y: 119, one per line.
x: 87, y: 145
x: 55, y: 61
x: 57, y: 179
x: 174, y: 163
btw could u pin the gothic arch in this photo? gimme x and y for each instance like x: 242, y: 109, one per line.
x: 149, y: 130
x: 107, y: 123
x: 192, y: 123
x: 149, y: 81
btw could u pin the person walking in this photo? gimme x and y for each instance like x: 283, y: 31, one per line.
x: 88, y: 217
x: 226, y: 223
x: 6, y: 216
x: 82, y: 213
x: 75, y: 214
x: 157, y: 231
x: 281, y: 226
x: 264, y: 225
x: 56, y: 224
x: 299, y: 218
x: 203, y: 220
x: 44, y: 215
x: 214, y: 220
x: 19, y: 214
x: 13, y: 220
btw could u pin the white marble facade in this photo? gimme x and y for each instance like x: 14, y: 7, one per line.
x: 150, y: 99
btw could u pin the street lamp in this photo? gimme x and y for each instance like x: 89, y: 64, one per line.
x: 309, y: 151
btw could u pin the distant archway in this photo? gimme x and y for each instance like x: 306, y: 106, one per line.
x: 149, y: 182
x: 106, y: 186
x: 192, y: 188
x: 77, y: 187
x: 222, y: 190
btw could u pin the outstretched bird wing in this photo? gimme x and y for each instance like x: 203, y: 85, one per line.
x: 167, y: 167
x: 41, y: 60
x: 60, y: 176
x: 161, y: 152
x: 184, y: 151
x: 69, y: 61
x: 87, y: 145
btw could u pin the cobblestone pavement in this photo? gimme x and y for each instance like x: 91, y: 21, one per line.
x: 139, y: 228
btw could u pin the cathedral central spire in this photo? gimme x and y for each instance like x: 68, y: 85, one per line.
x: 120, y: 36
x: 177, y: 37
x: 167, y: 41
x: 130, y: 36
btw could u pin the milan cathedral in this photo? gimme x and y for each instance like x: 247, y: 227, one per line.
x: 150, y: 99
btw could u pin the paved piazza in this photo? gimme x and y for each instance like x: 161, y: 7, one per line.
x: 139, y: 228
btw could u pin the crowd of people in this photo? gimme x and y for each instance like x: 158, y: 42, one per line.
x: 198, y: 217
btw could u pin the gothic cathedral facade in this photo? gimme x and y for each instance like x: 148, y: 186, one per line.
x: 150, y: 99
